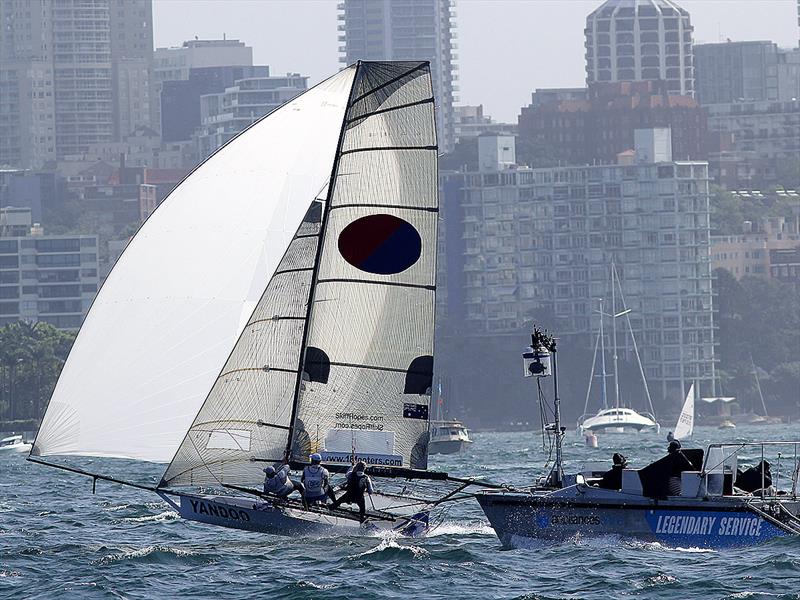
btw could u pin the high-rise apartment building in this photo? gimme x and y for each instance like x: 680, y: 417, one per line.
x: 176, y: 64
x: 180, y: 100
x: 227, y: 113
x: 72, y: 73
x: 631, y: 40
x: 131, y: 24
x: 522, y: 241
x: 754, y: 145
x: 406, y: 30
x: 573, y: 128
x: 746, y: 71
x: 45, y: 278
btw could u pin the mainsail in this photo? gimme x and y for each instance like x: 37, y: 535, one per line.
x: 685, y: 425
x: 356, y: 312
x: 368, y: 365
x: 178, y: 299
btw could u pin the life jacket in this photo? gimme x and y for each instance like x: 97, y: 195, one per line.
x: 314, y: 478
x: 279, y: 483
x: 356, y: 483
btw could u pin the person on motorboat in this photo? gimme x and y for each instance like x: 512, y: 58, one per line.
x: 356, y: 483
x: 612, y: 479
x: 278, y: 482
x: 678, y: 464
x: 755, y: 478
x: 316, y: 480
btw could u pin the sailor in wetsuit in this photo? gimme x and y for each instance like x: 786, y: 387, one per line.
x: 278, y: 483
x: 316, y: 480
x: 612, y: 479
x: 678, y: 464
x: 356, y: 483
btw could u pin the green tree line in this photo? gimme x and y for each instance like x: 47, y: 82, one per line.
x: 758, y: 329
x: 31, y: 358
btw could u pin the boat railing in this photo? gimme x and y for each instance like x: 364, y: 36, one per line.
x: 723, y: 458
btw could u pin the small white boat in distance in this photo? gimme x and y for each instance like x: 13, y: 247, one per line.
x: 14, y: 443
x: 618, y: 420
x: 685, y: 425
x: 727, y: 424
x: 448, y: 437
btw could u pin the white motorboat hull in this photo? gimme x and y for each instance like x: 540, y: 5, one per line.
x: 14, y: 448
x: 454, y: 446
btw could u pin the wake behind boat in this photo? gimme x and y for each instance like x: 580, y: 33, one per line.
x: 728, y: 495
x: 279, y: 303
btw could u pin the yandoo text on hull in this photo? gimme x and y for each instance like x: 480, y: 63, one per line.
x: 688, y: 498
x: 278, y: 303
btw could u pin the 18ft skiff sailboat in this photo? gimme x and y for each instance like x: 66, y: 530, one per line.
x: 279, y: 302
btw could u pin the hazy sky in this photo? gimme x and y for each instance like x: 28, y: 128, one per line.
x: 506, y: 48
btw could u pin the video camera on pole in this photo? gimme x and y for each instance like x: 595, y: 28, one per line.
x: 536, y: 360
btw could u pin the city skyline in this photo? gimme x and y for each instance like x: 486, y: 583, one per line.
x: 493, y: 65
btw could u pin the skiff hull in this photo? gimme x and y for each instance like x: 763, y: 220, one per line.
x: 525, y: 520
x: 264, y: 517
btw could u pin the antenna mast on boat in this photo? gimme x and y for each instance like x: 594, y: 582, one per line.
x: 538, y: 359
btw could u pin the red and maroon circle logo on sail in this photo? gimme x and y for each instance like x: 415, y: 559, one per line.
x: 381, y: 244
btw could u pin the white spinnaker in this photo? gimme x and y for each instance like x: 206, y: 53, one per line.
x: 685, y: 425
x: 175, y: 303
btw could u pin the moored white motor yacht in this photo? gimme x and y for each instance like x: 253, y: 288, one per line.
x: 448, y: 437
x: 14, y: 443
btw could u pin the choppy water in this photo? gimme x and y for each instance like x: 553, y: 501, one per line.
x: 59, y: 541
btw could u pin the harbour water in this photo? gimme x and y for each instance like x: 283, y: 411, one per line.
x: 57, y: 540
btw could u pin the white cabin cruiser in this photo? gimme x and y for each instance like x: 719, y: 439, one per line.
x: 14, y: 443
x: 448, y: 437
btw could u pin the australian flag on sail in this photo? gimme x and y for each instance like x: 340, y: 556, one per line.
x: 415, y: 411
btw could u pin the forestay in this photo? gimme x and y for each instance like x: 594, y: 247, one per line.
x: 368, y: 357
x: 171, y: 310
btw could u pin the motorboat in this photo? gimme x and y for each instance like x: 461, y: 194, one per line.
x: 14, y: 443
x: 713, y: 503
x: 726, y: 424
x: 448, y: 437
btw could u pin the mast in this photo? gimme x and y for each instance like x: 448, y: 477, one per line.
x: 758, y: 387
x: 559, y: 431
x: 603, y: 356
x: 614, y: 333
x: 317, y: 260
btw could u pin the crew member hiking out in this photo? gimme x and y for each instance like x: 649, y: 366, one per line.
x: 356, y: 483
x: 278, y: 482
x: 316, y: 480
